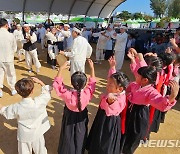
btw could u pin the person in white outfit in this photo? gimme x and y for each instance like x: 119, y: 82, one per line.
x: 18, y: 34
x: 81, y: 50
x: 109, y: 44
x: 120, y: 46
x: 68, y: 39
x: 31, y: 49
x: 31, y: 115
x: 8, y: 47
x: 52, y: 46
x: 42, y: 32
x: 101, y: 45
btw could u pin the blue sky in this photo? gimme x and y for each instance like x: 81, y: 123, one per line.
x: 135, y: 6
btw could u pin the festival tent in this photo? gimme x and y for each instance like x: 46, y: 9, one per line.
x: 132, y: 23
x: 174, y: 23
x: 87, y: 21
x: 154, y: 23
x: 100, y: 8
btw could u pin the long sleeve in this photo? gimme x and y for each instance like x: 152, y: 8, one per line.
x: 66, y: 33
x: 138, y: 64
x: 70, y: 97
x: 33, y: 38
x: 60, y: 89
x: 116, y: 107
x: 89, y: 50
x: 111, y: 71
x: 90, y: 89
x: 45, y: 96
x: 159, y: 102
x: 73, y: 51
x: 14, y: 45
x: 10, y: 112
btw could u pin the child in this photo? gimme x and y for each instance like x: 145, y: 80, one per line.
x: 31, y: 116
x: 100, y: 46
x: 141, y: 94
x: 75, y: 119
x: 105, y: 133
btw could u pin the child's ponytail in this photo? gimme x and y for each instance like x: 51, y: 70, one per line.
x: 79, y: 100
x: 78, y: 80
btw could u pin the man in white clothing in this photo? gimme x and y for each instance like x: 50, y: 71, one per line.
x: 109, y: 44
x: 81, y: 50
x: 68, y: 39
x: 8, y: 47
x: 18, y: 34
x: 31, y: 49
x: 120, y: 45
x: 31, y: 115
x: 42, y: 32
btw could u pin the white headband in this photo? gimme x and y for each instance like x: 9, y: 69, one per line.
x: 76, y: 30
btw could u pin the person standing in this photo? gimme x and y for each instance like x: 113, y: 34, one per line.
x: 42, y: 32
x: 8, y: 47
x: 18, y: 34
x: 81, y: 50
x: 31, y: 49
x: 68, y: 39
x: 109, y: 43
x: 120, y: 45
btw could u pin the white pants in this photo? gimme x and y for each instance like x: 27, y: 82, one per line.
x: 9, y: 70
x: 52, y: 54
x: 77, y: 66
x: 37, y: 146
x: 20, y: 52
x: 99, y: 54
x: 32, y: 55
x: 119, y: 56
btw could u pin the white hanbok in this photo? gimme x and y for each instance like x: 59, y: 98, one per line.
x: 8, y: 47
x: 120, y: 45
x: 32, y: 121
x: 101, y: 45
x: 81, y: 50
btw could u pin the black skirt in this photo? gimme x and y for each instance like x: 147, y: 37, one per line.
x: 74, y: 131
x: 137, y: 118
x: 105, y: 134
x: 156, y: 121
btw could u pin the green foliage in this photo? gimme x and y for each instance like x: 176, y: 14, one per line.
x: 158, y: 7
x: 174, y: 9
x: 137, y: 16
x: 125, y: 15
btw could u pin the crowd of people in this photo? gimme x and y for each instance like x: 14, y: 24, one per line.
x: 128, y: 111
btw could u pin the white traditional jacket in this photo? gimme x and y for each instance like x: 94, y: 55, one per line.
x: 31, y: 116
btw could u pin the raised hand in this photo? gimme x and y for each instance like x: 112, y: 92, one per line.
x: 36, y: 80
x: 112, y: 62
x: 174, y: 90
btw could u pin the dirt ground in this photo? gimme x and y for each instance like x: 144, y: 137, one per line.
x: 170, y: 130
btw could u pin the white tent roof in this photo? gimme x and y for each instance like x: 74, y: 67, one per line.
x: 100, y: 8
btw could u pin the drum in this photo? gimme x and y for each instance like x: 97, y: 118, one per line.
x: 61, y: 59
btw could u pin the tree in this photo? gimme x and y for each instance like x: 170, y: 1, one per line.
x: 137, y: 15
x: 174, y: 9
x: 159, y: 7
x: 125, y: 15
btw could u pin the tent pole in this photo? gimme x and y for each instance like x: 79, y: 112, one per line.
x: 23, y: 11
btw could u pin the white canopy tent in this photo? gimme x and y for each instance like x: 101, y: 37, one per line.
x: 100, y: 8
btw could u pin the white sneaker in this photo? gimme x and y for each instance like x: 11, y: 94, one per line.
x: 53, y: 67
x: 37, y: 70
x: 30, y: 70
x: 1, y: 93
x: 13, y: 92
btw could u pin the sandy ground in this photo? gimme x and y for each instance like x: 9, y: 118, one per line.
x: 170, y: 130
